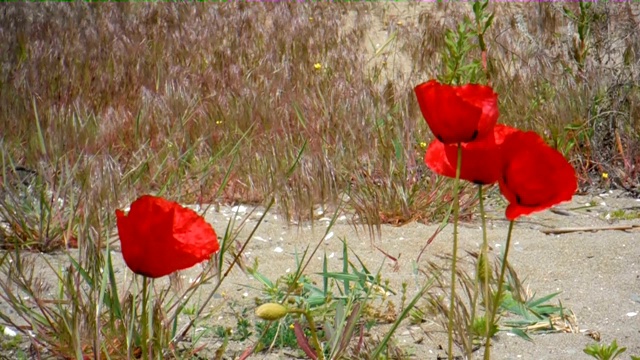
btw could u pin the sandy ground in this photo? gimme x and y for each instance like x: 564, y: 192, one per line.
x: 597, y: 273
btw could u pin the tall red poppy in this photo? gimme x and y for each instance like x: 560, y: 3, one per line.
x: 159, y: 237
x: 458, y: 113
x: 481, y: 159
x: 535, y: 176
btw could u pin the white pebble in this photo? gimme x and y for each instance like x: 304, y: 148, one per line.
x: 9, y: 332
x: 239, y: 209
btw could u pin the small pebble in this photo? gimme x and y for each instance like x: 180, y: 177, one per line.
x: 9, y: 332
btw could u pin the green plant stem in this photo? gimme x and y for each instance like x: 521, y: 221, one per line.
x: 483, y: 47
x: 454, y: 259
x: 485, y: 258
x: 482, y: 275
x: 498, y: 295
x: 312, y: 328
x: 483, y: 265
x: 144, y: 321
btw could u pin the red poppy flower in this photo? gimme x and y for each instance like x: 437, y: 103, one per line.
x: 535, y: 176
x: 458, y: 113
x: 481, y: 159
x: 159, y: 237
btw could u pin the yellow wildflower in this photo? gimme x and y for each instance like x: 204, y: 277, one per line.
x: 317, y: 66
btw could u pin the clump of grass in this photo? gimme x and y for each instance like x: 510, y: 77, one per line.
x: 521, y: 312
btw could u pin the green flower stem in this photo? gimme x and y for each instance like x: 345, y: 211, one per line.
x: 482, y: 275
x: 145, y: 320
x: 498, y: 295
x: 484, y: 253
x: 454, y: 260
x: 312, y: 328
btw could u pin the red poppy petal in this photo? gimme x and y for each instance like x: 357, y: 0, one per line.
x: 437, y: 160
x: 457, y: 113
x: 194, y: 235
x: 450, y: 118
x: 482, y: 97
x: 514, y: 210
x: 159, y: 237
x: 481, y: 159
x: 536, y: 176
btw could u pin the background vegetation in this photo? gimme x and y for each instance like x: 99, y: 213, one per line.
x: 168, y: 97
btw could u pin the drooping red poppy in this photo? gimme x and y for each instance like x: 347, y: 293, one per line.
x: 458, y: 113
x: 481, y: 159
x: 535, y: 176
x: 159, y: 237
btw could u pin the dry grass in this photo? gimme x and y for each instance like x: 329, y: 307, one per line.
x: 179, y: 99
x: 180, y: 95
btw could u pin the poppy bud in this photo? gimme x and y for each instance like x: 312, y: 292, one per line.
x: 271, y: 311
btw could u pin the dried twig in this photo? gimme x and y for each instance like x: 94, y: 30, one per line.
x: 566, y: 230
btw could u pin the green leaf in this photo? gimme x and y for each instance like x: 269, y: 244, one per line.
x: 341, y: 276
x: 398, y: 149
x: 568, y: 13
x: 534, y: 303
x: 261, y: 278
x: 85, y: 276
x: 325, y: 278
x: 488, y: 23
x: 521, y: 334
x: 345, y: 265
